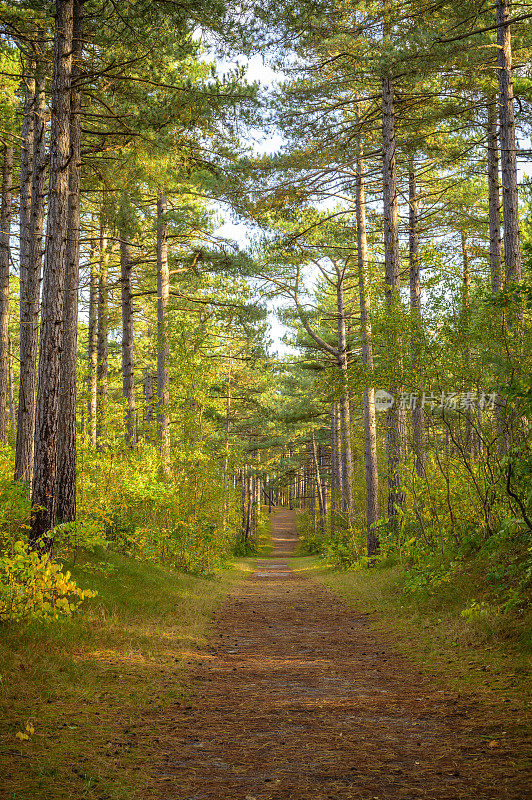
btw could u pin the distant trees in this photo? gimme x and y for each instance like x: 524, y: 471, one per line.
x: 429, y: 101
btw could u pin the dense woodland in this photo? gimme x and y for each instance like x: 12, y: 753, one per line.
x: 143, y: 406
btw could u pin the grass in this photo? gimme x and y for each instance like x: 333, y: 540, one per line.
x: 84, y: 683
x: 477, y: 655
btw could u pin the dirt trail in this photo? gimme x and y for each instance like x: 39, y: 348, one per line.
x: 298, y: 698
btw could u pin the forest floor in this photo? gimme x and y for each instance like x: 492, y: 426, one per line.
x: 263, y: 684
x: 299, y: 695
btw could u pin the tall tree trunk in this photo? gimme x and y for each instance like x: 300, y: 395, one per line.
x: 163, y: 291
x: 249, y: 506
x: 225, y: 519
x: 26, y: 175
x: 345, y: 409
x: 319, y: 484
x: 5, y: 258
x: 243, y: 499
x: 30, y: 282
x: 510, y: 204
x: 148, y: 401
x: 26, y: 179
x: 494, y: 200
x: 312, y: 493
x: 418, y: 414
x: 12, y: 412
x: 370, y: 422
x: 290, y: 485
x: 336, y: 465
x: 92, y: 347
x: 469, y: 428
x: 66, y: 459
x: 26, y: 167
x: 128, y: 369
x: 102, y: 370
x: 392, y: 286
x: 45, y: 462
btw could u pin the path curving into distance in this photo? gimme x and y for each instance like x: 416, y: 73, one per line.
x: 297, y: 697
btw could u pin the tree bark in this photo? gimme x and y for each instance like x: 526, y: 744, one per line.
x: 46, y: 426
x: 370, y: 422
x: 67, y: 438
x: 345, y: 410
x: 418, y: 414
x: 26, y: 175
x: 225, y: 516
x: 128, y: 368
x: 319, y: 484
x: 92, y: 347
x: 336, y: 465
x: 148, y: 401
x: 494, y: 200
x: 5, y: 258
x: 102, y: 370
x: 12, y: 413
x: 30, y: 280
x: 163, y: 291
x: 510, y: 203
x: 469, y: 428
x: 392, y: 286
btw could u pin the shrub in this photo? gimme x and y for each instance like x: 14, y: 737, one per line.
x: 33, y: 586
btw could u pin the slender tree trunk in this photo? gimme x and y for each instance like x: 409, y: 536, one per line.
x: 418, y: 414
x: 26, y: 180
x: 102, y: 370
x: 392, y: 286
x: 319, y: 484
x: 163, y: 291
x: 128, y: 367
x: 30, y: 281
x: 243, y: 500
x: 249, y: 506
x: 12, y: 413
x: 45, y: 462
x: 5, y: 258
x: 370, y: 422
x: 225, y: 520
x: 26, y: 168
x: 256, y: 495
x: 92, y: 347
x: 66, y: 459
x: 494, y: 201
x: 510, y: 203
x: 469, y: 428
x: 26, y: 177
x: 148, y: 401
x: 510, y: 198
x: 312, y: 493
x: 345, y: 410
x: 336, y: 465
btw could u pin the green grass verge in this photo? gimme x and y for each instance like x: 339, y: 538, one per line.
x: 85, y: 681
x: 470, y: 655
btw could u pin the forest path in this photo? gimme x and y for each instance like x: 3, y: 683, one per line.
x: 297, y: 697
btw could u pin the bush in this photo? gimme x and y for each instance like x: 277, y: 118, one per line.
x: 33, y: 586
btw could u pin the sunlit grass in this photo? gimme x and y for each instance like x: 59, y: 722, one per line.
x: 85, y: 682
